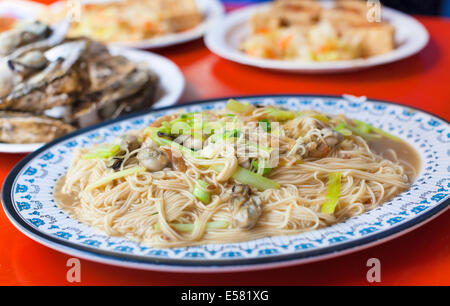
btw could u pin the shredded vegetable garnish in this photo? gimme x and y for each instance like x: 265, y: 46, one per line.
x: 367, y: 128
x: 103, y: 152
x: 247, y: 177
x: 114, y: 176
x: 321, y: 117
x: 261, y: 167
x: 161, y: 141
x: 181, y: 127
x: 342, y: 128
x: 193, y: 178
x: 334, y: 191
x: 279, y: 114
x: 265, y: 125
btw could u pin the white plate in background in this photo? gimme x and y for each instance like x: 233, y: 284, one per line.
x: 20, y: 10
x: 211, y: 10
x: 224, y: 38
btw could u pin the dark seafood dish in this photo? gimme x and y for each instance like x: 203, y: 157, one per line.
x: 51, y: 85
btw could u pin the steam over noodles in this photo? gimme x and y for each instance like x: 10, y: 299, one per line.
x: 237, y: 174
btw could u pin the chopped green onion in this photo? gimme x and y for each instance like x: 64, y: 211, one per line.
x: 160, y: 141
x: 265, y: 169
x: 225, y: 135
x: 334, y: 191
x: 260, y: 147
x: 321, y: 117
x: 231, y: 134
x: 367, y: 128
x: 278, y: 114
x: 342, y: 128
x: 265, y: 125
x: 363, y: 127
x: 189, y: 227
x: 117, y: 175
x: 241, y: 175
x: 260, y: 182
x: 180, y: 127
x: 201, y: 192
x: 245, y: 176
x: 103, y: 152
x: 238, y: 107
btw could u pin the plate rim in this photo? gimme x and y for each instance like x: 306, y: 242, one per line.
x: 224, y: 265
x: 213, y: 41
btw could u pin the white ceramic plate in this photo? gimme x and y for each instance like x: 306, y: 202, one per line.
x: 224, y: 38
x: 27, y: 196
x: 171, y: 87
x: 212, y: 10
x: 20, y: 10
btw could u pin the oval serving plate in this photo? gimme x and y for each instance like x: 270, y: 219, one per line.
x: 171, y: 87
x: 212, y: 10
x: 225, y: 37
x: 27, y: 196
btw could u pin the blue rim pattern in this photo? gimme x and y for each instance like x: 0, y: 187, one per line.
x: 28, y: 202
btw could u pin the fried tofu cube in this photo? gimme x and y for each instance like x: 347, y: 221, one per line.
x: 179, y: 15
x: 297, y: 12
x: 376, y: 38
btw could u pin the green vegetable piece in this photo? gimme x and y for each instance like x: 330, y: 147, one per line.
x: 103, y: 152
x: 342, y: 128
x: 256, y: 165
x: 180, y: 127
x: 321, y: 117
x: 238, y: 107
x: 334, y: 191
x: 245, y: 176
x: 265, y: 125
x: 367, y: 128
x: 109, y: 178
x: 189, y: 227
x: 160, y: 141
x: 241, y: 175
x: 279, y: 114
x: 201, y: 192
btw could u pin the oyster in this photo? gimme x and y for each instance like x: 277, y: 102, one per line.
x: 55, y: 85
x: 6, y: 80
x: 14, y: 39
x: 17, y: 127
x: 28, y: 63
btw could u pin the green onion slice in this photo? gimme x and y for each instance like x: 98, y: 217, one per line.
x: 334, y: 191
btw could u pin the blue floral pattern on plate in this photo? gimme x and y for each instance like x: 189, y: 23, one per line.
x: 29, y: 193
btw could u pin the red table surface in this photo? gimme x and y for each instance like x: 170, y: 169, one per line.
x: 421, y: 257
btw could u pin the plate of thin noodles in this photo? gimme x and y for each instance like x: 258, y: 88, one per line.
x: 235, y: 184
